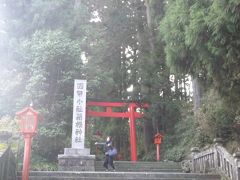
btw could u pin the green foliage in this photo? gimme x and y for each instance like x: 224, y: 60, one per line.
x: 165, y: 113
x: 176, y: 145
x: 151, y: 156
x: 53, y: 62
x: 202, y: 38
x: 204, y: 41
x: 43, y: 166
x: 172, y: 28
x: 9, y: 127
x: 40, y: 164
x: 10, y: 90
x: 215, y: 118
x: 3, y: 147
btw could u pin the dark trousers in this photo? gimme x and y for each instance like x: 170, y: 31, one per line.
x: 108, y: 161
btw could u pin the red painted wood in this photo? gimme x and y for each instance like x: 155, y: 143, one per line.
x: 115, y: 104
x: 27, y: 155
x: 131, y: 114
x: 109, y: 104
x: 112, y: 114
x: 158, y: 152
x: 133, y: 138
x: 108, y: 114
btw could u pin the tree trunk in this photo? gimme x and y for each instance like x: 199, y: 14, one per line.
x: 184, y: 87
x: 148, y: 134
x: 150, y: 26
x: 196, y: 95
x: 148, y: 125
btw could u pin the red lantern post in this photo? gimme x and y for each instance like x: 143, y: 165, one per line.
x: 28, y: 120
x: 157, y: 141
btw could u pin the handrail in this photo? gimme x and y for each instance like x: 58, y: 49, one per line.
x: 7, y: 165
x: 216, y: 159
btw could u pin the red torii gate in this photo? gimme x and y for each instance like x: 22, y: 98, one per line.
x: 131, y: 114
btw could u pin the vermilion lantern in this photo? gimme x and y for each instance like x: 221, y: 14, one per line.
x: 158, y: 138
x: 28, y: 120
x: 157, y: 141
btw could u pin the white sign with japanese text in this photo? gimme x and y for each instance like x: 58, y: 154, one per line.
x: 79, y: 114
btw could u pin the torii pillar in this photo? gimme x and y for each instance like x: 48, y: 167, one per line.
x: 133, y: 137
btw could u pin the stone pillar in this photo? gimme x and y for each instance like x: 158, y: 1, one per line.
x: 236, y: 156
x: 218, y: 141
x: 77, y: 158
x: 194, y: 151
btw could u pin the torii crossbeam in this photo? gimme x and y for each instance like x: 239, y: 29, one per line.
x: 131, y: 114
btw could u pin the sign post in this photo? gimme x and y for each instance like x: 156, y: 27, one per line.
x: 77, y: 158
x: 79, y: 114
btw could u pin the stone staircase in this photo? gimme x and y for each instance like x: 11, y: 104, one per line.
x: 128, y: 166
x: 57, y: 175
x: 125, y: 170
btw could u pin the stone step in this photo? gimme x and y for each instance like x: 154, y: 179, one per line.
x: 58, y: 175
x: 126, y: 169
x: 142, y: 166
x: 113, y: 178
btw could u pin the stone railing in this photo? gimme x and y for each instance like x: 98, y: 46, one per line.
x: 216, y: 159
x: 7, y: 165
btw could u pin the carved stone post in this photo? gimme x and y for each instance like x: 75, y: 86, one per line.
x: 218, y: 142
x: 236, y: 156
x: 194, y: 151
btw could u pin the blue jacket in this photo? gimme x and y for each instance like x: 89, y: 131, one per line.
x: 108, y: 147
